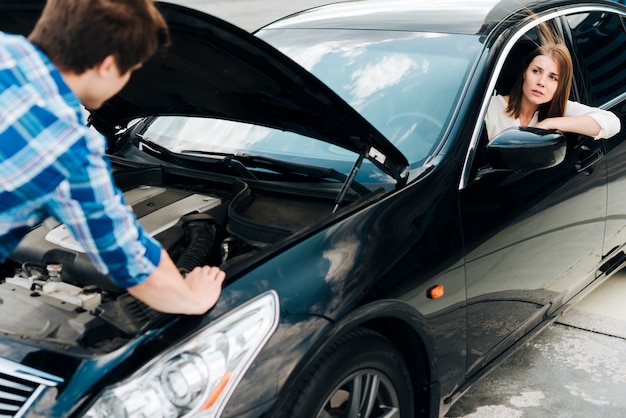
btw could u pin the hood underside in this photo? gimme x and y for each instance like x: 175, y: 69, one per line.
x: 215, y: 69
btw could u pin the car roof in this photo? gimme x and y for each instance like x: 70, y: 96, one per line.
x: 476, y: 17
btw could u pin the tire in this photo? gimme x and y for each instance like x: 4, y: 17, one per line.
x: 360, y: 374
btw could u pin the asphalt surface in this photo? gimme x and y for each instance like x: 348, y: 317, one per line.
x: 575, y: 368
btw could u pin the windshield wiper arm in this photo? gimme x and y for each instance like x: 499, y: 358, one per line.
x: 154, y: 148
x: 250, y: 160
x: 313, y: 170
x: 322, y: 172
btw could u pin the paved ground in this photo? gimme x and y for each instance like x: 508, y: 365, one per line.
x: 574, y: 368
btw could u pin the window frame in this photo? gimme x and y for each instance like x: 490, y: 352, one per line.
x: 503, y: 52
x: 581, y: 77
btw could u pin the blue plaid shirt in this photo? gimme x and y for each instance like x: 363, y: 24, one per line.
x: 52, y: 164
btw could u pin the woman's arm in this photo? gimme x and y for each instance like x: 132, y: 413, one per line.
x: 584, y: 125
x: 584, y: 120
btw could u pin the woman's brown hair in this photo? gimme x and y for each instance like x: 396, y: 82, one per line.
x: 78, y: 34
x: 559, y: 53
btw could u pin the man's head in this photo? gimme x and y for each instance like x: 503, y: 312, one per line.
x: 78, y: 34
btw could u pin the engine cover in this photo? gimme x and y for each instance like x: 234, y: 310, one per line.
x: 158, y: 210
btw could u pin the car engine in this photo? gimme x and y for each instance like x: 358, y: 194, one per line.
x: 57, y: 294
x: 52, y: 293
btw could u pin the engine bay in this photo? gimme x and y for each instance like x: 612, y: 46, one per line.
x: 52, y: 293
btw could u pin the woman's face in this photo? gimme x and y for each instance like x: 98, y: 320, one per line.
x: 541, y: 80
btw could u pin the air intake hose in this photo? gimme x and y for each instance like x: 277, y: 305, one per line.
x: 201, y: 233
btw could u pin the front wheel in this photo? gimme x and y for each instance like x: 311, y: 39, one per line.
x: 360, y: 374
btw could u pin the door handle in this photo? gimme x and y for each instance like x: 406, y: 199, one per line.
x: 588, y: 160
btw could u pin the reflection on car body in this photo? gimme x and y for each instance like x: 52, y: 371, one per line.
x: 335, y: 165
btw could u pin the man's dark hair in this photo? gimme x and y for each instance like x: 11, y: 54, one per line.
x: 78, y: 34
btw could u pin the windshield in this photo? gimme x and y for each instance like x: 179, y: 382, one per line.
x: 405, y: 84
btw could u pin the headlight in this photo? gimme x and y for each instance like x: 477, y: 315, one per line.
x: 197, y: 377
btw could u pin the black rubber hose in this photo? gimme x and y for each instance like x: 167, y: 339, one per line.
x: 201, y: 238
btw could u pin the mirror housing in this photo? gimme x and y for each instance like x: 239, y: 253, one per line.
x: 526, y: 149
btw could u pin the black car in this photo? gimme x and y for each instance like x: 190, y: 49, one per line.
x: 380, y: 255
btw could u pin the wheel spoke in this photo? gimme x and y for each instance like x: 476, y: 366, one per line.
x: 370, y: 391
x: 324, y: 414
x: 355, y: 398
x: 390, y: 412
x: 360, y: 391
x: 364, y: 397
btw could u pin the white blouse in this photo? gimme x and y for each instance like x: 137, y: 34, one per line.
x: 497, y: 120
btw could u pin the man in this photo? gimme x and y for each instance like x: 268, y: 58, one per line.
x: 51, y: 164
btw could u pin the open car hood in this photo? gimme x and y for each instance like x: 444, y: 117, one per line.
x: 216, y: 69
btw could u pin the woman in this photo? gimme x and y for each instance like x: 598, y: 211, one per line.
x: 539, y: 98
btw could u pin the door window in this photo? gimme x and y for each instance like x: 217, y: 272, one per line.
x: 600, y: 43
x: 534, y: 239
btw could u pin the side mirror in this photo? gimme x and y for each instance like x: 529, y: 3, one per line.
x: 525, y: 149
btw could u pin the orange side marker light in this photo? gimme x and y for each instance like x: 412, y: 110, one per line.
x: 217, y: 392
x: 435, y: 292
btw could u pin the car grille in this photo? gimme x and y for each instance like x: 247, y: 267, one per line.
x: 20, y: 386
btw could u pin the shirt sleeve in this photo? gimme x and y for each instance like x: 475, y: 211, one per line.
x: 51, y: 164
x: 496, y: 119
x: 93, y: 208
x: 609, y: 123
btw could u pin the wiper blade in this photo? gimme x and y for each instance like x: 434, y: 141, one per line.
x: 169, y: 156
x: 241, y: 161
x: 288, y: 167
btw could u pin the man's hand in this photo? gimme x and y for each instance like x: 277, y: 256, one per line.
x: 167, y: 291
x: 206, y: 281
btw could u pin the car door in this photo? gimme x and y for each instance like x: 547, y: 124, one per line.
x: 599, y: 42
x: 532, y: 241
